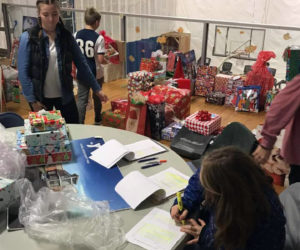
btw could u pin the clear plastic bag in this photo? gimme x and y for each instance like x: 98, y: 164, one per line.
x: 68, y: 219
x: 12, y: 162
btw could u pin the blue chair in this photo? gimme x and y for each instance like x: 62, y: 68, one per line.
x: 10, y: 119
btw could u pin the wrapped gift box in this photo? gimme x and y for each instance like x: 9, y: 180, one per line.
x: 7, y: 192
x: 204, y: 85
x: 248, y: 98
x: 169, y: 132
x: 119, y: 104
x: 140, y: 81
x: 60, y: 146
x: 43, y: 138
x: 47, y: 159
x: 221, y: 82
x: 203, y: 127
x: 177, y: 99
x: 207, y: 70
x: 45, y: 120
x: 113, y: 119
x: 231, y: 91
x: 215, y: 98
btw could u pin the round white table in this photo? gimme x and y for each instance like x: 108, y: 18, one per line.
x: 20, y: 240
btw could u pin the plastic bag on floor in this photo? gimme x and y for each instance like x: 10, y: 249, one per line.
x: 67, y: 219
x: 12, y: 162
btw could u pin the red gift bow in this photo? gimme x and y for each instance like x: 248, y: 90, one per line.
x: 203, y: 116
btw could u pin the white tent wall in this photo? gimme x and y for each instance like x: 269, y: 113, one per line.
x: 136, y: 28
x: 283, y: 13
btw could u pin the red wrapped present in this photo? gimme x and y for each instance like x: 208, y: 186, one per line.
x: 204, y: 85
x: 114, y: 119
x: 45, y: 120
x: 206, y: 127
x: 47, y: 159
x: 119, y: 104
x: 221, y: 82
x: 140, y: 81
x: 231, y: 91
x: 180, y: 99
x: 207, y: 70
x: 183, y: 83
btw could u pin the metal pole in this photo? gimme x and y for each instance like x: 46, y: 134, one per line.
x: 204, y: 43
x: 6, y: 28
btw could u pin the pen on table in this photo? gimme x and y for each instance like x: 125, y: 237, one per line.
x: 147, y: 159
x: 180, y: 205
x: 150, y: 165
x: 160, y: 161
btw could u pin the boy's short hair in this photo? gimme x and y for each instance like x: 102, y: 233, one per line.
x: 91, y: 16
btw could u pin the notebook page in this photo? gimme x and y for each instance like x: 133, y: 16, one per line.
x: 144, y: 148
x: 134, y: 188
x: 110, y: 153
x: 171, y: 180
x: 155, y: 231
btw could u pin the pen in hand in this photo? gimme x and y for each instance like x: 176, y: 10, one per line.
x: 180, y: 205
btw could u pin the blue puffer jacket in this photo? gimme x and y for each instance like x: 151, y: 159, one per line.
x: 269, y: 233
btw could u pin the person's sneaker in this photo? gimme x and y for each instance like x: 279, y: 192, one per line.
x: 97, y: 123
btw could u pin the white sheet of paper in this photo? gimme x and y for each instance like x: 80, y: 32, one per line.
x: 134, y: 188
x: 155, y: 231
x: 171, y: 180
x: 144, y: 148
x: 110, y: 153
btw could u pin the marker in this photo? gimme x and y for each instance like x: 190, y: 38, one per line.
x: 148, y: 159
x: 180, y: 205
x: 160, y: 161
x: 151, y: 165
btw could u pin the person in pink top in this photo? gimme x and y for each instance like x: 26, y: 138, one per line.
x: 284, y: 113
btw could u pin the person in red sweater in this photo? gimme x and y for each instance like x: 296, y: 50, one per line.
x: 284, y: 113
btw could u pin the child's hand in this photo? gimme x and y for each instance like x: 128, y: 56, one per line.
x: 102, y: 96
x: 176, y: 215
x: 194, y: 229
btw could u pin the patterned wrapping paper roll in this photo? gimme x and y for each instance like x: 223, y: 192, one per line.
x: 156, y: 114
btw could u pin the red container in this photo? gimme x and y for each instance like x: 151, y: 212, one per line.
x: 183, y: 83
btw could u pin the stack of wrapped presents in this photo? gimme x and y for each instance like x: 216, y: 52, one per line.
x: 115, y: 117
x: 44, y: 139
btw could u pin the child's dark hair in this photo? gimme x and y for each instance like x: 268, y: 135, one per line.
x: 235, y: 185
x: 91, y: 16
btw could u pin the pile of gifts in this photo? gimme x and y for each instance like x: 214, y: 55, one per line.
x: 44, y: 139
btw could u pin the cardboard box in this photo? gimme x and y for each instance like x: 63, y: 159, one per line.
x: 176, y: 41
x: 113, y: 72
x: 121, y: 49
